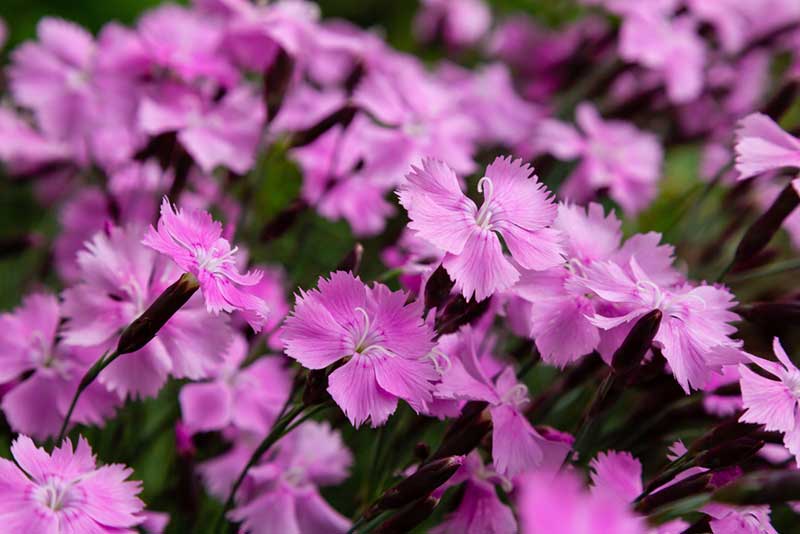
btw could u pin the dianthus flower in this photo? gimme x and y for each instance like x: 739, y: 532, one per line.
x: 561, y: 308
x: 614, y: 156
x: 120, y: 278
x: 480, y: 511
x: 774, y: 403
x: 761, y: 146
x: 383, y: 339
x: 516, y: 207
x: 193, y: 240
x: 248, y: 398
x: 36, y: 406
x: 282, y: 495
x: 516, y: 445
x: 458, y: 22
x: 66, y: 493
x: 694, y: 334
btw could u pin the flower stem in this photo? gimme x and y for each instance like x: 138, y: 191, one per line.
x: 85, y: 382
x: 278, y: 430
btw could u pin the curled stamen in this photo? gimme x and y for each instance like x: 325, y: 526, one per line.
x: 365, y: 330
x: 517, y: 394
x: 379, y: 348
x: 434, y: 356
x: 658, y: 295
x: 698, y: 299
x: 486, y: 188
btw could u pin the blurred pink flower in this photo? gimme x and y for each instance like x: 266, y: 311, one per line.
x: 761, y: 146
x: 459, y: 23
x: 385, y: 340
x: 65, y: 492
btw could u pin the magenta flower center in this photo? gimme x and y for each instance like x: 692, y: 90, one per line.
x: 56, y: 494
x: 213, y: 260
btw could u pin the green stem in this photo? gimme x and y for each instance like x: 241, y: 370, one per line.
x: 278, y: 430
x: 103, y: 362
x: 390, y: 274
x: 777, y: 268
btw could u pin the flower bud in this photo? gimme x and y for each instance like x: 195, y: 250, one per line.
x: 276, y: 82
x: 284, y: 220
x: 342, y: 116
x: 422, y: 451
x: 459, y: 312
x: 765, y: 487
x: 730, y: 453
x: 772, y: 315
x: 147, y: 325
x: 723, y: 433
x: 685, y: 488
x: 465, y: 438
x: 637, y: 342
x: 410, y: 517
x: 438, y: 288
x: 426, y: 479
x: 316, y: 390
x: 782, y: 100
x: 761, y: 232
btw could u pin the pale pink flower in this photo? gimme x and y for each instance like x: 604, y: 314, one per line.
x: 120, y: 278
x: 384, y: 339
x: 282, y: 495
x: 516, y: 446
x: 36, y: 406
x: 65, y: 492
x: 248, y: 398
x: 193, y: 240
x: 694, y: 334
x: 516, y: 207
x: 24, y: 150
x: 549, y: 504
x: 614, y: 156
x: 761, y: 146
x: 461, y: 22
x: 225, y: 132
x: 774, y: 403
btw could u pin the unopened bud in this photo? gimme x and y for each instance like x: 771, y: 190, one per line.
x: 467, y: 437
x: 342, y: 116
x: 422, y: 451
x: 146, y: 326
x: 723, y: 433
x: 780, y: 103
x: 637, y: 342
x: 459, y: 312
x: 410, y: 517
x: 276, y: 82
x: 426, y: 479
x: 680, y: 490
x: 11, y: 246
x: 437, y: 288
x: 730, y: 453
x: 761, y: 232
x: 352, y: 261
x: 765, y: 487
x: 772, y: 315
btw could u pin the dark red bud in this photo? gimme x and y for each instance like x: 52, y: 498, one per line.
x: 283, y: 221
x: 437, y: 289
x: 761, y: 232
x: 764, y: 487
x: 730, y: 453
x: 276, y: 82
x: 638, y: 341
x: 352, y: 261
x: 147, y: 325
x: 680, y: 490
x: 342, y: 116
x: 316, y: 390
x: 405, y: 521
x: 421, y: 483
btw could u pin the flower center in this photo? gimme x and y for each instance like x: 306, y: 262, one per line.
x: 211, y: 260
x: 792, y: 382
x: 516, y: 396
x: 484, y: 216
x: 55, y: 494
x: 366, y: 337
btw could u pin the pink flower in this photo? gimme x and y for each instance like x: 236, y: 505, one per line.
x: 615, y: 156
x: 66, y: 492
x: 694, y: 334
x: 193, y: 240
x: 282, y: 495
x: 120, y: 278
x: 516, y: 446
x: 774, y: 403
x: 561, y: 308
x: 761, y: 146
x: 224, y: 132
x: 37, y: 405
x: 461, y: 22
x: 480, y: 510
x: 384, y: 340
x: 24, y: 150
x: 247, y: 398
x: 560, y: 504
x: 516, y: 207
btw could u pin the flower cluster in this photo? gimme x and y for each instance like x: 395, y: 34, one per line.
x: 524, y: 262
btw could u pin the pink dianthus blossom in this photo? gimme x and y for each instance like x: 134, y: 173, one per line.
x: 761, y: 146
x: 516, y: 207
x: 384, y: 339
x: 193, y: 240
x: 65, y: 492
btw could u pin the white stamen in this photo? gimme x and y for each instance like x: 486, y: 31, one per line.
x: 484, y: 215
